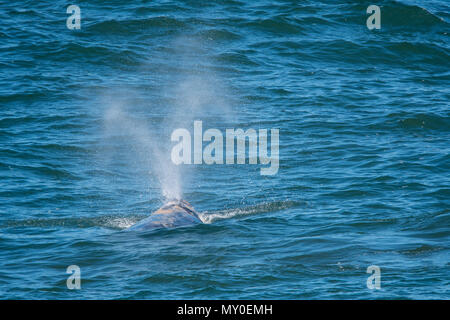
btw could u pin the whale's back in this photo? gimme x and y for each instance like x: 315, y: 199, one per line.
x: 172, y: 215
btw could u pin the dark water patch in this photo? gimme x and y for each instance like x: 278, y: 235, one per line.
x: 278, y: 25
x: 94, y: 54
x: 134, y: 26
x: 432, y: 54
x: 423, y: 121
x: 45, y: 171
x: 410, y: 17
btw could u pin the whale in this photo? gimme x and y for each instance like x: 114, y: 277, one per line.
x: 173, y: 214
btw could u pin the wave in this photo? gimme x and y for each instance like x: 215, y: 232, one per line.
x: 421, y: 120
x: 277, y: 25
x: 210, y: 217
x: 134, y: 26
x: 117, y: 222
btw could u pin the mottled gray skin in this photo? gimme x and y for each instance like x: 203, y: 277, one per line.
x: 177, y: 213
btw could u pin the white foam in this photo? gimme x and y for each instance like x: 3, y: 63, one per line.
x: 207, y: 217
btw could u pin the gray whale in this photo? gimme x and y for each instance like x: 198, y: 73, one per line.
x: 175, y: 213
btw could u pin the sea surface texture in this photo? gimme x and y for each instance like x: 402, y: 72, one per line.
x: 86, y: 117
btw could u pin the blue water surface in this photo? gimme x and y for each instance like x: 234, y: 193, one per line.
x: 86, y: 118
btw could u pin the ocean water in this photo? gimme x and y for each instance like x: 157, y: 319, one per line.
x: 364, y: 118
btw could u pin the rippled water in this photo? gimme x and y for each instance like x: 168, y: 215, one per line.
x: 86, y: 117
